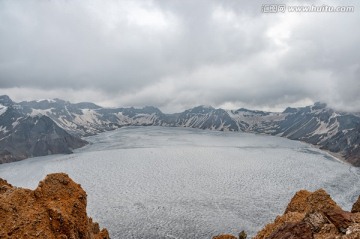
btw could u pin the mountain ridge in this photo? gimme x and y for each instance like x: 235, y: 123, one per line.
x: 319, y: 125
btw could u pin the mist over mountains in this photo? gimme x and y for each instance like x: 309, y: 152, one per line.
x: 43, y: 127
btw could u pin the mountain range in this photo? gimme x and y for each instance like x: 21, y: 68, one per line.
x: 42, y: 127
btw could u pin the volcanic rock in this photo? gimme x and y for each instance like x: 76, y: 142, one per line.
x: 313, y: 216
x: 225, y: 236
x: 55, y: 209
x: 356, y: 206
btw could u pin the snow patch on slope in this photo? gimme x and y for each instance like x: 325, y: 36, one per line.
x: 88, y: 117
x: 3, y: 109
x: 48, y: 100
x: 36, y: 112
x: 253, y: 119
x: 3, y: 129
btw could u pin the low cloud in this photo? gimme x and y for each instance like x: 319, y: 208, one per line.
x: 178, y: 54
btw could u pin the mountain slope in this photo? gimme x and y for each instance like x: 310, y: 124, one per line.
x: 36, y: 136
x: 23, y: 136
x: 337, y: 132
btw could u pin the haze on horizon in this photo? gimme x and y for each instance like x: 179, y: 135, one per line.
x: 178, y: 54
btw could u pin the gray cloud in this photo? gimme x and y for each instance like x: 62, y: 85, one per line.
x: 177, y: 54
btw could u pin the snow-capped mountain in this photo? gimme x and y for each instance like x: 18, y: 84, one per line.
x: 23, y: 136
x: 205, y: 117
x: 319, y: 125
x: 338, y: 132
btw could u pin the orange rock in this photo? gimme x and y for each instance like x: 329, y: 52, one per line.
x: 306, y: 202
x: 224, y: 236
x: 55, y: 209
x: 300, y: 230
x: 340, y: 219
x: 290, y: 217
x: 313, y: 215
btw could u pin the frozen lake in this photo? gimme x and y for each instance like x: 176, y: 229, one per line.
x: 153, y: 182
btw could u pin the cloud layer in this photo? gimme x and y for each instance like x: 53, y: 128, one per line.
x: 178, y: 54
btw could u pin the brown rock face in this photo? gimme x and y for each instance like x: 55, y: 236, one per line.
x: 225, y: 236
x: 55, y: 209
x: 292, y: 231
x: 313, y: 216
x: 305, y: 202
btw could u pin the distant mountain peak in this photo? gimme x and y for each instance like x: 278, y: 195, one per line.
x: 206, y: 107
x: 46, y: 100
x: 316, y: 124
x: 202, y: 109
x: 290, y: 110
x: 319, y: 105
x: 5, y: 100
x: 151, y: 109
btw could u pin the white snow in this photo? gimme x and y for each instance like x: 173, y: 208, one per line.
x: 15, y: 123
x: 3, y: 129
x: 153, y: 182
x: 48, y: 100
x: 88, y: 117
x: 3, y: 109
x: 325, y: 128
x: 139, y: 119
x: 36, y: 112
x: 253, y: 119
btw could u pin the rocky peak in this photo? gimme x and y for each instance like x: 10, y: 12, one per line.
x: 55, y: 209
x: 5, y: 100
x: 306, y: 202
x: 202, y: 109
x: 313, y: 215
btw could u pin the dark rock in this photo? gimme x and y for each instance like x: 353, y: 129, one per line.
x: 242, y: 235
x: 37, y: 136
x: 356, y: 207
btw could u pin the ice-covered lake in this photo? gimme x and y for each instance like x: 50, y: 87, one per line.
x: 153, y: 182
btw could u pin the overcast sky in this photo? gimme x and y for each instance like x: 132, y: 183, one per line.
x: 176, y: 54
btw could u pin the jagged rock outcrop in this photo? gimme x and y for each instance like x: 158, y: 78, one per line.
x: 313, y: 216
x: 55, y: 209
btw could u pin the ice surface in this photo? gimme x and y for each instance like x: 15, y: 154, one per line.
x: 153, y: 182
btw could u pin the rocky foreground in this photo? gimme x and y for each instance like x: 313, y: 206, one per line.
x: 311, y: 216
x: 56, y: 209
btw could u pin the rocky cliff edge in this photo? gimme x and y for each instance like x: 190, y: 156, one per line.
x: 312, y: 215
x: 56, y: 209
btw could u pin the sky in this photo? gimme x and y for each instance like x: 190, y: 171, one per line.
x: 177, y: 54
